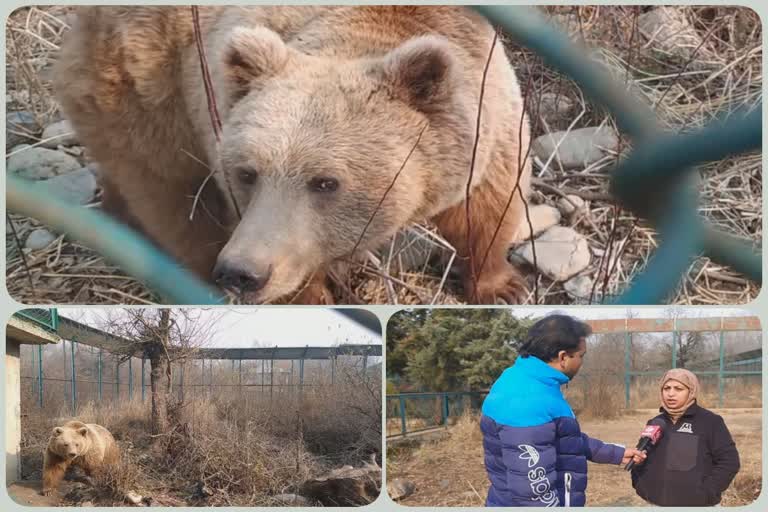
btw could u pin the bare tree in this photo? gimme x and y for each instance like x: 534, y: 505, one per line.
x: 164, y: 337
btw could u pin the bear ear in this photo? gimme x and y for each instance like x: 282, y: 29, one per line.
x: 82, y: 431
x: 253, y: 53
x: 420, y: 72
x: 57, y: 431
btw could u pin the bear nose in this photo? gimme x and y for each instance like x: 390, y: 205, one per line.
x: 240, y: 277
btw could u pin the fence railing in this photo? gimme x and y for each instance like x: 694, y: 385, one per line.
x: 46, y: 318
x: 655, y: 182
x: 410, y: 413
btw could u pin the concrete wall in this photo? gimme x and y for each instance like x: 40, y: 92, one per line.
x: 12, y: 411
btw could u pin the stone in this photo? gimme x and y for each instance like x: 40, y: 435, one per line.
x: 400, y: 488
x: 41, y: 163
x: 543, y: 217
x: 20, y: 127
x: 561, y: 252
x: 554, y: 107
x: 579, y: 287
x: 133, y: 498
x: 579, y: 148
x: 411, y: 251
x: 295, y: 500
x: 668, y: 29
x: 78, y: 187
x: 39, y: 239
x: 59, y: 134
x: 571, y: 205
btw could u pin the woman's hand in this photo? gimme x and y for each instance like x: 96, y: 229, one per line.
x: 634, y: 454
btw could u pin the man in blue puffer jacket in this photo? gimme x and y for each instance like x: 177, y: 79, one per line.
x: 535, y: 452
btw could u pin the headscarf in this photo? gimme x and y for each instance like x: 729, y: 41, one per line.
x: 689, y: 380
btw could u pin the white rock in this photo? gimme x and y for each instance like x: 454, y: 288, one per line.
x: 579, y: 148
x: 19, y: 127
x: 59, y: 134
x: 39, y: 239
x: 668, y: 29
x: 41, y: 163
x: 132, y: 497
x: 561, y: 253
x: 78, y: 187
x: 543, y: 217
x: 554, y: 107
x: 571, y: 205
x: 579, y: 287
x: 399, y: 488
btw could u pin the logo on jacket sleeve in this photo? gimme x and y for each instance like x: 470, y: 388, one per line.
x: 537, y: 477
x: 686, y: 427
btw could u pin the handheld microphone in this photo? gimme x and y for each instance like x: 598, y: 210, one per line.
x: 649, y: 436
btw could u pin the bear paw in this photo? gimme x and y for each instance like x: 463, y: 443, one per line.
x: 505, y: 286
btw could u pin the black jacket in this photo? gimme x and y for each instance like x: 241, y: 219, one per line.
x: 692, y: 465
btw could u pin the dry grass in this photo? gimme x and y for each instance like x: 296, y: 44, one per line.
x: 221, y: 450
x: 449, y: 471
x: 723, y: 73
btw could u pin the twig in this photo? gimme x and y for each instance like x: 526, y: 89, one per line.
x: 475, y: 145
x: 21, y: 251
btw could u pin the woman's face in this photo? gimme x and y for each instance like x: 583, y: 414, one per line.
x: 674, y: 393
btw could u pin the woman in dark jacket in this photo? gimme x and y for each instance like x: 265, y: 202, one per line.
x: 696, y: 459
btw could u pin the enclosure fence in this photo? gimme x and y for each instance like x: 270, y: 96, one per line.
x: 91, y: 367
x: 655, y: 182
x: 628, y: 355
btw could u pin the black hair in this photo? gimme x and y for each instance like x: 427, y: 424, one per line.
x: 551, y: 334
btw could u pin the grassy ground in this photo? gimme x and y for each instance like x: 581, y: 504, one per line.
x: 449, y: 471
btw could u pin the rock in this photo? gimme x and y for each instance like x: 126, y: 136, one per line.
x: 41, y: 163
x: 543, y: 217
x: 78, y: 187
x: 560, y: 253
x: 668, y: 30
x: 399, y: 488
x: 554, y: 107
x: 39, y: 239
x: 20, y: 127
x: 579, y: 287
x: 295, y: 500
x: 579, y: 148
x: 86, y: 504
x: 133, y: 498
x: 60, y: 133
x: 571, y: 205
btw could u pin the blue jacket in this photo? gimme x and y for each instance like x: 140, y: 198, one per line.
x: 535, y: 452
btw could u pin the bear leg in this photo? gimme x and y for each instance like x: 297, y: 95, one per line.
x: 54, y: 468
x: 487, y: 273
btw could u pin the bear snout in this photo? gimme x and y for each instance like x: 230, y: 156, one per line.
x: 241, y: 276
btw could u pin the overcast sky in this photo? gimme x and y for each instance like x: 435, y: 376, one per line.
x: 283, y: 327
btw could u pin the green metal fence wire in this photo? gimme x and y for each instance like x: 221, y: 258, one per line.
x: 46, y: 318
x: 656, y: 182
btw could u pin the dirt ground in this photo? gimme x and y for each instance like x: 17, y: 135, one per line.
x: 448, y: 470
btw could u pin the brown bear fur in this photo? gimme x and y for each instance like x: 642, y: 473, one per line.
x: 304, y: 94
x: 88, y: 446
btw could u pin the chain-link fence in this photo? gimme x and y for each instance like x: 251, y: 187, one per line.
x: 410, y: 413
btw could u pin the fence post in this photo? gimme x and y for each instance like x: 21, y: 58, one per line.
x: 130, y: 379
x: 40, y: 376
x: 674, y: 346
x: 143, y: 385
x: 74, y: 378
x: 181, y: 379
x: 402, y: 415
x: 117, y: 379
x: 445, y: 409
x: 272, y: 373
x: 627, y: 367
x: 720, y: 375
x: 99, y: 375
x: 333, y: 366
x: 240, y: 375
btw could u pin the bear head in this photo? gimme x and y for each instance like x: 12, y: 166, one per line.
x: 327, y: 156
x: 69, y: 442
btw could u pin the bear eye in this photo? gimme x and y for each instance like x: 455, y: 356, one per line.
x: 323, y: 184
x: 246, y: 175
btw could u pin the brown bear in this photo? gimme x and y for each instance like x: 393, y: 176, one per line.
x: 341, y: 125
x: 86, y: 445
